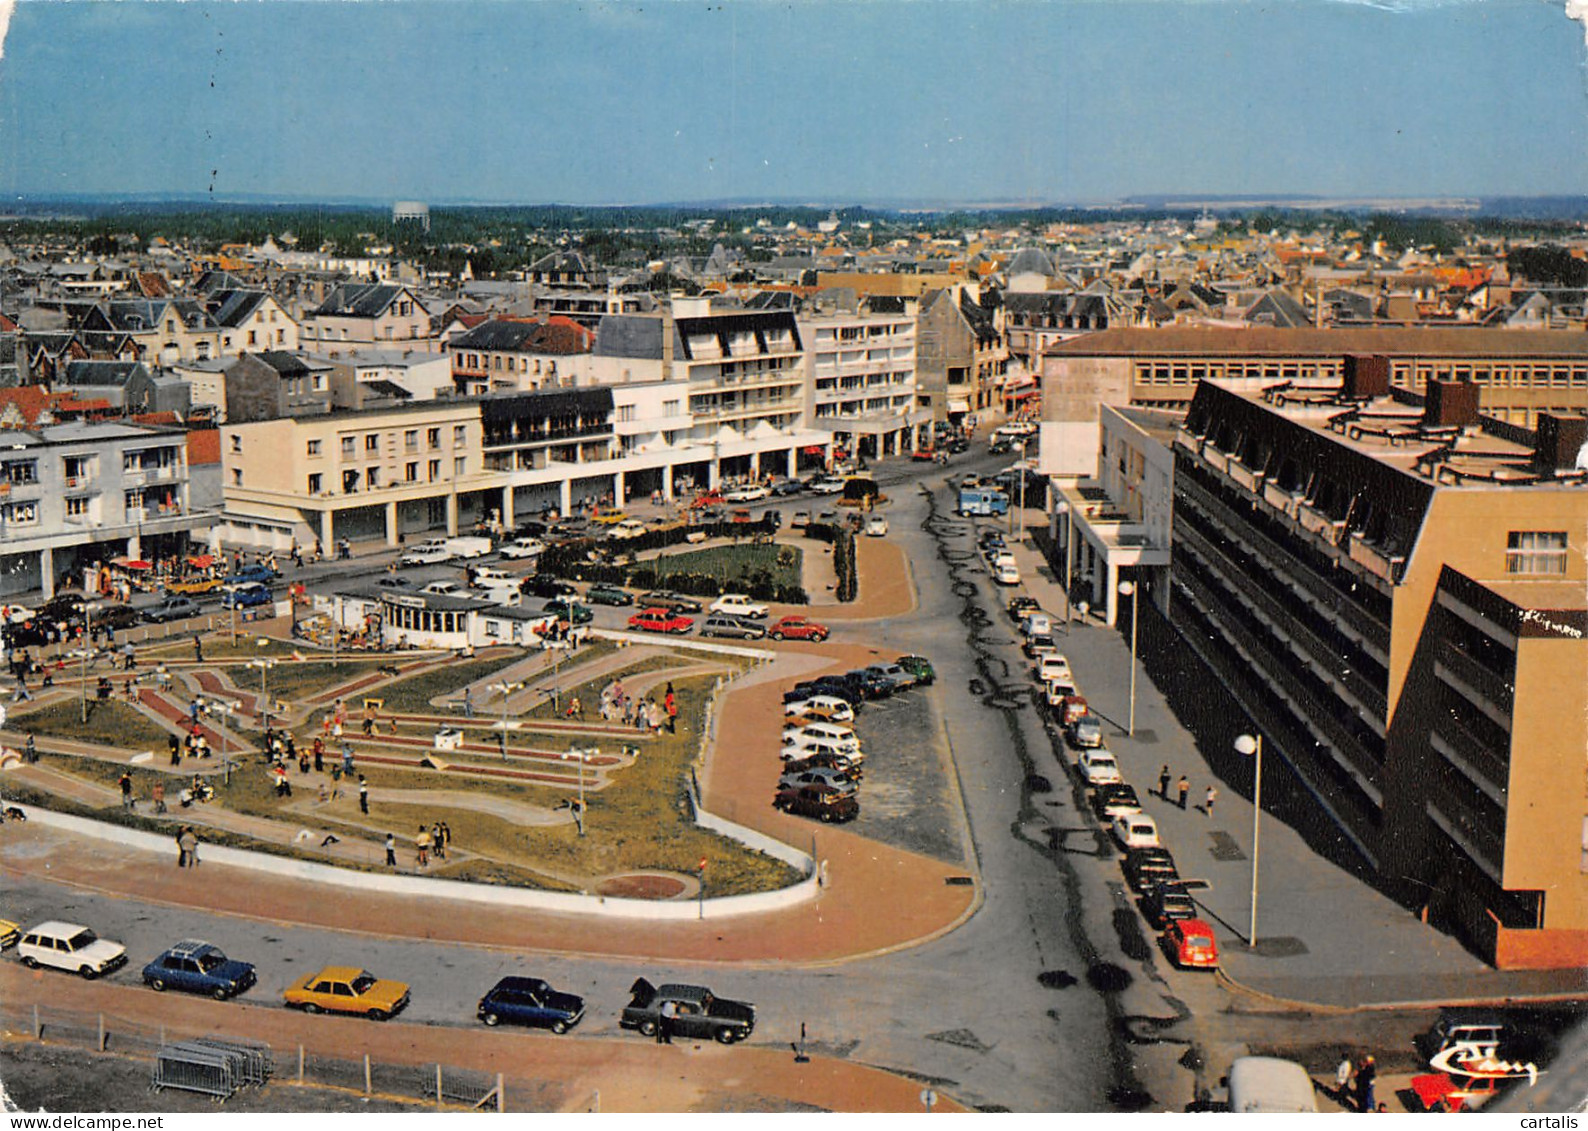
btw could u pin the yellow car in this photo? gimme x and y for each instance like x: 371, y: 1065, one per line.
x: 194, y: 586
x: 9, y: 933
x: 609, y: 518
x: 347, y: 989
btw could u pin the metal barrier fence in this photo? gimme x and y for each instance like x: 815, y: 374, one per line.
x: 218, y: 1066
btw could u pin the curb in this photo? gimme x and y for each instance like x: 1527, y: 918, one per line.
x: 1222, y: 977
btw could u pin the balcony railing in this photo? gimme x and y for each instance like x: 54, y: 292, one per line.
x: 1280, y: 499
x: 1245, y: 476
x: 1315, y: 521
x: 1214, y: 458
x: 1493, y: 689
x: 1375, y: 560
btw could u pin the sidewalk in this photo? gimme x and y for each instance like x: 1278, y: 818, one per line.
x: 1324, y: 935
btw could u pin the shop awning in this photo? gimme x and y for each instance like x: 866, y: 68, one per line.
x: 813, y: 450
x: 959, y: 406
x: 201, y: 561
x: 133, y: 564
x: 1020, y: 394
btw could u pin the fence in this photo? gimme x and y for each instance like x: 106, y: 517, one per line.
x: 219, y: 1065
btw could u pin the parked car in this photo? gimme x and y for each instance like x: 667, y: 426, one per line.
x: 825, y: 777
x: 610, y: 518
x: 816, y: 801
x: 1147, y: 866
x: 838, y: 686
x: 429, y: 553
x: 667, y: 599
x: 1020, y: 607
x: 198, y: 967
x: 898, y: 677
x: 1267, y: 1084
x: 823, y: 760
x: 523, y: 548
x: 826, y: 485
x: 257, y: 572
x: 1054, y: 666
x: 347, y: 989
x: 800, y: 520
x: 1098, y: 767
x: 739, y: 604
x: 920, y: 667
x: 608, y: 595
x: 1086, y: 732
x: 829, y: 708
x: 700, y: 1013
x: 489, y: 577
x: 817, y: 737
x: 838, y: 732
x: 10, y: 933
x: 661, y: 620
x: 193, y: 586
x: 171, y: 608
x: 749, y: 493
x: 628, y: 529
x: 70, y: 946
x: 1136, y: 830
x: 1036, y: 623
x: 1112, y: 799
x: 796, y: 627
x: 443, y: 589
x: 1165, y: 902
x: 395, y: 581
x: 568, y: 610
x: 246, y: 597
x: 740, y: 628
x: 1191, y: 944
x: 870, y: 684
x: 1039, y: 645
x: 787, y: 487
x: 1006, y: 573
x: 876, y: 527
x: 545, y: 585
x: 530, y: 1001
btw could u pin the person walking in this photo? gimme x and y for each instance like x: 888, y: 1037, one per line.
x: 446, y: 837
x: 391, y: 851
x: 198, y: 649
x: 189, y: 843
x: 363, y: 795
x: 468, y: 704
x: 422, y: 846
x: 1208, y: 799
x: 1366, y: 1080
x: 181, y: 847
x: 125, y: 781
x: 319, y: 755
x: 1163, y: 782
x: 1184, y: 788
x: 438, y: 843
x: 1342, y: 1080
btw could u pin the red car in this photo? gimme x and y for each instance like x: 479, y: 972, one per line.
x: 706, y: 499
x: 660, y: 620
x: 797, y: 628
x: 925, y: 455
x: 1191, y: 944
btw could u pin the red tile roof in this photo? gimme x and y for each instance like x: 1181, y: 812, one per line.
x: 203, y: 447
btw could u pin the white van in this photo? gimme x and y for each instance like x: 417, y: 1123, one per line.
x: 1054, y: 668
x: 1268, y: 1084
x: 507, y: 595
x: 801, y: 741
x: 1037, y: 624
x: 70, y: 946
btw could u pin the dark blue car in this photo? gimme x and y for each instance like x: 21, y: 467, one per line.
x: 530, y: 1001
x: 199, y: 968
x: 258, y: 572
x: 247, y: 596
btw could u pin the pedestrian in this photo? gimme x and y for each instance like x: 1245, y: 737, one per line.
x: 438, y: 842
x: 468, y: 704
x: 363, y: 795
x: 446, y: 837
x: 665, y: 1022
x: 1184, y: 788
x: 1163, y: 782
x: 1208, y: 799
x: 158, y: 794
x: 198, y: 649
x: 391, y: 851
x: 125, y: 781
x: 189, y: 843
x: 193, y: 711
x: 30, y: 752
x: 422, y: 845
x: 129, y: 657
x: 1342, y: 1079
x: 1366, y: 1079
x: 181, y: 847
x: 672, y: 714
x: 319, y: 755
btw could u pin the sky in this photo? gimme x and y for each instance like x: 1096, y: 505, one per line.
x: 819, y: 101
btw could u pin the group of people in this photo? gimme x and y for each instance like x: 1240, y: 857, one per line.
x: 194, y: 743
x: 1183, y: 790
x: 431, y: 839
x: 1355, y: 1083
x: 639, y: 712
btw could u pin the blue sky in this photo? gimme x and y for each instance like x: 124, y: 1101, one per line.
x: 860, y: 100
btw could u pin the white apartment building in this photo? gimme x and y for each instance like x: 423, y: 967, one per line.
x: 862, y: 374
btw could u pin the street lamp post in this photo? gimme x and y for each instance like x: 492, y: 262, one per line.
x: 264, y: 665
x: 1063, y: 508
x: 1249, y: 745
x: 506, y: 689
x: 1128, y: 589
x: 88, y: 636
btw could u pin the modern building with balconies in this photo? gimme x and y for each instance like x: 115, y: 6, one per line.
x: 862, y: 372
x: 79, y: 494
x: 1394, y: 588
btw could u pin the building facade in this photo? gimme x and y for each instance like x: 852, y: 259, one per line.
x: 862, y: 374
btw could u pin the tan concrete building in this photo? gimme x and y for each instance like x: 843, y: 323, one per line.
x: 1396, y: 590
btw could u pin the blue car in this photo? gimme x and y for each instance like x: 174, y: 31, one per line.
x: 530, y: 1001
x: 258, y: 572
x: 199, y: 968
x: 246, y: 597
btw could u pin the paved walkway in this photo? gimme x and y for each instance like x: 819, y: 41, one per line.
x: 1324, y: 935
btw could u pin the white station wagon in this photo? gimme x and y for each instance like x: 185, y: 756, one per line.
x: 738, y: 604
x: 70, y: 946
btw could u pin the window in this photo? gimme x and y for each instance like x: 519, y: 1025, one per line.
x: 316, y: 483
x: 372, y: 477
x: 314, y: 447
x: 372, y: 443
x: 317, y: 382
x: 347, y: 447
x: 411, y: 472
x: 411, y: 440
x: 253, y: 338
x: 1535, y: 551
x: 237, y: 443
x: 237, y: 477
x: 434, y: 470
x: 460, y: 435
x: 433, y: 438
x: 134, y: 500
x: 671, y: 408
x: 20, y: 514
x: 458, y: 467
x: 625, y: 413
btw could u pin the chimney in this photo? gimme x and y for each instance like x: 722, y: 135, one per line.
x: 1559, y: 440
x: 1366, y: 376
x: 667, y: 341
x: 1451, y: 404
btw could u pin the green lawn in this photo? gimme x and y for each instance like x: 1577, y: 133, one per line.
x: 111, y: 723
x: 729, y: 562
x: 293, y: 680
